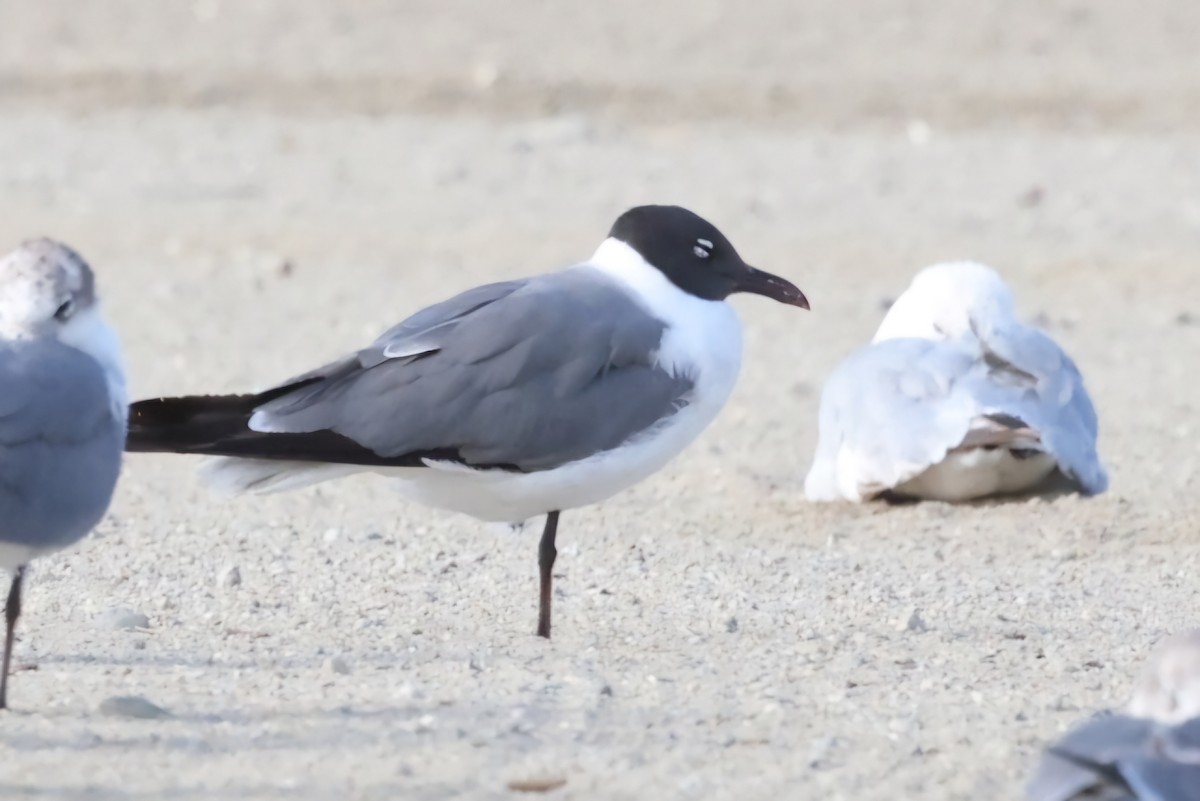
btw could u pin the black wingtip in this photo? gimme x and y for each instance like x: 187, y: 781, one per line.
x: 184, y: 424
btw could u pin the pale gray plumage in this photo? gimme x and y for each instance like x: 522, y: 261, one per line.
x: 60, y: 445
x: 500, y: 392
x: 1131, y: 759
x: 902, y: 404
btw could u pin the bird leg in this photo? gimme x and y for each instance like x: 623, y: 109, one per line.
x: 546, y: 555
x: 12, y: 610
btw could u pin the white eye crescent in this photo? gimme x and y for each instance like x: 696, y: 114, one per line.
x: 700, y: 252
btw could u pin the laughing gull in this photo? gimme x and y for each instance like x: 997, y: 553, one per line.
x: 62, y: 412
x: 510, y: 400
x: 1151, y: 753
x: 954, y: 399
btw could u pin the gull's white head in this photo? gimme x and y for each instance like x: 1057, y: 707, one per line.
x: 1169, y: 688
x: 43, y: 285
x: 48, y: 290
x: 947, y: 301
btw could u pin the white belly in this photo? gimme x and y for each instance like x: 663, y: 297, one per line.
x: 509, y: 497
x: 13, y: 556
x: 978, y: 473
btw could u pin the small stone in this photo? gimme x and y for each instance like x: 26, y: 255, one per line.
x: 332, y: 534
x: 819, y: 750
x: 538, y: 784
x: 1031, y: 197
x: 132, y: 706
x: 485, y: 75
x: 122, y: 620
x: 335, y: 664
x: 912, y: 622
x: 919, y: 132
x: 230, y: 577
x: 731, y: 625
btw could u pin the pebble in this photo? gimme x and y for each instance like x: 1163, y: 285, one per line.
x: 540, y: 784
x: 912, y: 622
x: 132, y: 706
x: 919, y: 132
x: 335, y: 664
x: 229, y: 577
x: 486, y: 75
x: 821, y: 751
x: 122, y: 619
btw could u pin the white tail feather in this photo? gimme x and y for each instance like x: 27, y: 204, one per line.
x: 232, y: 476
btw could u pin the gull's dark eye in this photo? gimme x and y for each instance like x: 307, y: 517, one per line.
x: 64, y: 312
x: 703, y: 248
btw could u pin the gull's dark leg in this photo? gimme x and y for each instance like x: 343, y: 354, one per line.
x: 12, y: 610
x: 546, y: 555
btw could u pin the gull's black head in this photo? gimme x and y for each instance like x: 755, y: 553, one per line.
x: 695, y: 256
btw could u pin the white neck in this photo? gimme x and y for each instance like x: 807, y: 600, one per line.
x: 701, y: 334
x: 622, y: 262
x: 89, y: 332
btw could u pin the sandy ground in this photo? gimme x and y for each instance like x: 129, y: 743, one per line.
x: 717, y: 637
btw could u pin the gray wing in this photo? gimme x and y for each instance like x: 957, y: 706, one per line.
x: 524, y: 374
x: 419, y: 333
x: 1104, y: 741
x: 1172, y: 773
x: 60, y: 445
x: 1183, y: 743
x: 1160, y: 780
x: 896, y: 407
x: 889, y: 411
x: 1046, y: 391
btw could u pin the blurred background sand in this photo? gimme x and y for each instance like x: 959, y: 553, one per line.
x: 263, y: 185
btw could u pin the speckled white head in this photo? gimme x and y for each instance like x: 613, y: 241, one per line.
x: 1169, y: 688
x: 43, y: 284
x: 947, y: 301
x: 48, y: 290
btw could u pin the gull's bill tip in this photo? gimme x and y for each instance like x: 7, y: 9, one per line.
x: 760, y: 282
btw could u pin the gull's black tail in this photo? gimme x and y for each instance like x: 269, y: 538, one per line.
x: 219, y: 425
x: 248, y: 461
x: 191, y: 424
x: 253, y: 460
